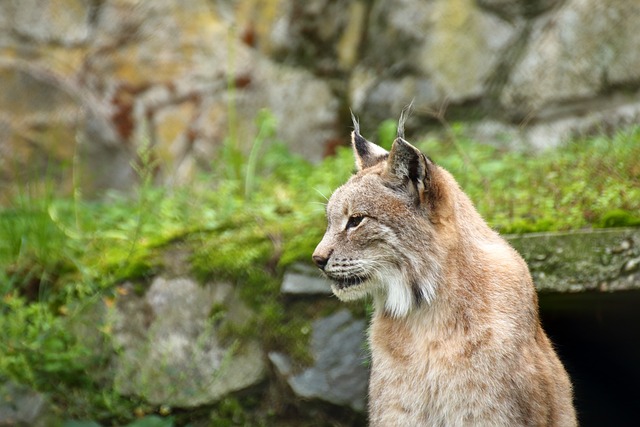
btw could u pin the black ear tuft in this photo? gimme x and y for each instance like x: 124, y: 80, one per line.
x: 367, y: 153
x: 356, y: 124
x: 404, y: 115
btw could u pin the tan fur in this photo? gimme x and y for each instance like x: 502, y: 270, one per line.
x: 455, y: 337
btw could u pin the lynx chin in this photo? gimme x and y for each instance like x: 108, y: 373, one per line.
x: 455, y: 337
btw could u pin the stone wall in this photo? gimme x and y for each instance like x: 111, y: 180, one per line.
x: 86, y: 82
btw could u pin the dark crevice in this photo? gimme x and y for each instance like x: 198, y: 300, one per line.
x: 598, y: 339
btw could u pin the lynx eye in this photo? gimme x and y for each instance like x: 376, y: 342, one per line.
x: 354, y: 221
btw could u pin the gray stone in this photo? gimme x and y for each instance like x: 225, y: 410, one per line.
x: 304, y: 280
x: 21, y: 406
x: 338, y: 374
x: 581, y: 261
x: 463, y: 48
x: 169, y: 348
x: 281, y: 362
x: 432, y: 52
x: 376, y: 98
x: 32, y: 20
x: 631, y: 265
x: 575, y: 53
x: 560, y: 127
x: 304, y: 107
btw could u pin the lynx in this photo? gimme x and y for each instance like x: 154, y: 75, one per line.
x: 455, y: 336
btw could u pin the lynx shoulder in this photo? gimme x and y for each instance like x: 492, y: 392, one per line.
x: 455, y: 336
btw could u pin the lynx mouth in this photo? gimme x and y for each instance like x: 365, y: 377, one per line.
x: 347, y: 282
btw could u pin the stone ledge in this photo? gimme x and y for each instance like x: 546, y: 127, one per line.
x: 587, y: 260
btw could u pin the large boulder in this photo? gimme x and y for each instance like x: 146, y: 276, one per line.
x: 574, y: 54
x: 171, y: 345
x: 429, y: 52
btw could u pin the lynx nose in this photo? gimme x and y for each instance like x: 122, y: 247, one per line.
x: 322, y: 253
x: 320, y: 261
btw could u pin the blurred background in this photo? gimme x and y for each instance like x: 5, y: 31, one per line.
x: 164, y: 167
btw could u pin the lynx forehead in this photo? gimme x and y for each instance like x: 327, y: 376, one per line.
x: 455, y: 335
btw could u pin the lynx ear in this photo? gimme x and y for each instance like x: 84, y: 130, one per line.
x: 405, y: 160
x: 367, y: 153
x: 408, y: 165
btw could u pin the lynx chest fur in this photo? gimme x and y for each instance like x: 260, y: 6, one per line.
x: 455, y: 337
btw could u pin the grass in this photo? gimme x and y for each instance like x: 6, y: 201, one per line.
x: 246, y: 223
x: 578, y: 185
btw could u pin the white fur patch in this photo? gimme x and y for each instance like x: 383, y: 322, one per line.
x: 391, y: 289
x: 399, y: 298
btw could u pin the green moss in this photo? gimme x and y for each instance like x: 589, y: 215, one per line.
x: 619, y: 218
x: 523, y: 226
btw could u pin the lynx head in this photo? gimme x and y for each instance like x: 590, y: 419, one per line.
x: 383, y: 227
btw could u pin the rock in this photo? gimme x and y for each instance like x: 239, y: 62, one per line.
x: 463, y: 48
x: 432, y: 52
x: 582, y: 261
x: 35, y: 135
x: 281, y: 362
x: 321, y: 35
x: 32, y: 20
x: 617, y: 112
x: 21, y: 406
x: 339, y: 374
x: 302, y: 279
x: 631, y: 265
x: 304, y: 107
x: 171, y: 350
x: 375, y: 98
x: 575, y: 53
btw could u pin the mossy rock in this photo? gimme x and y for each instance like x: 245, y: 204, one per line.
x: 602, y: 260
